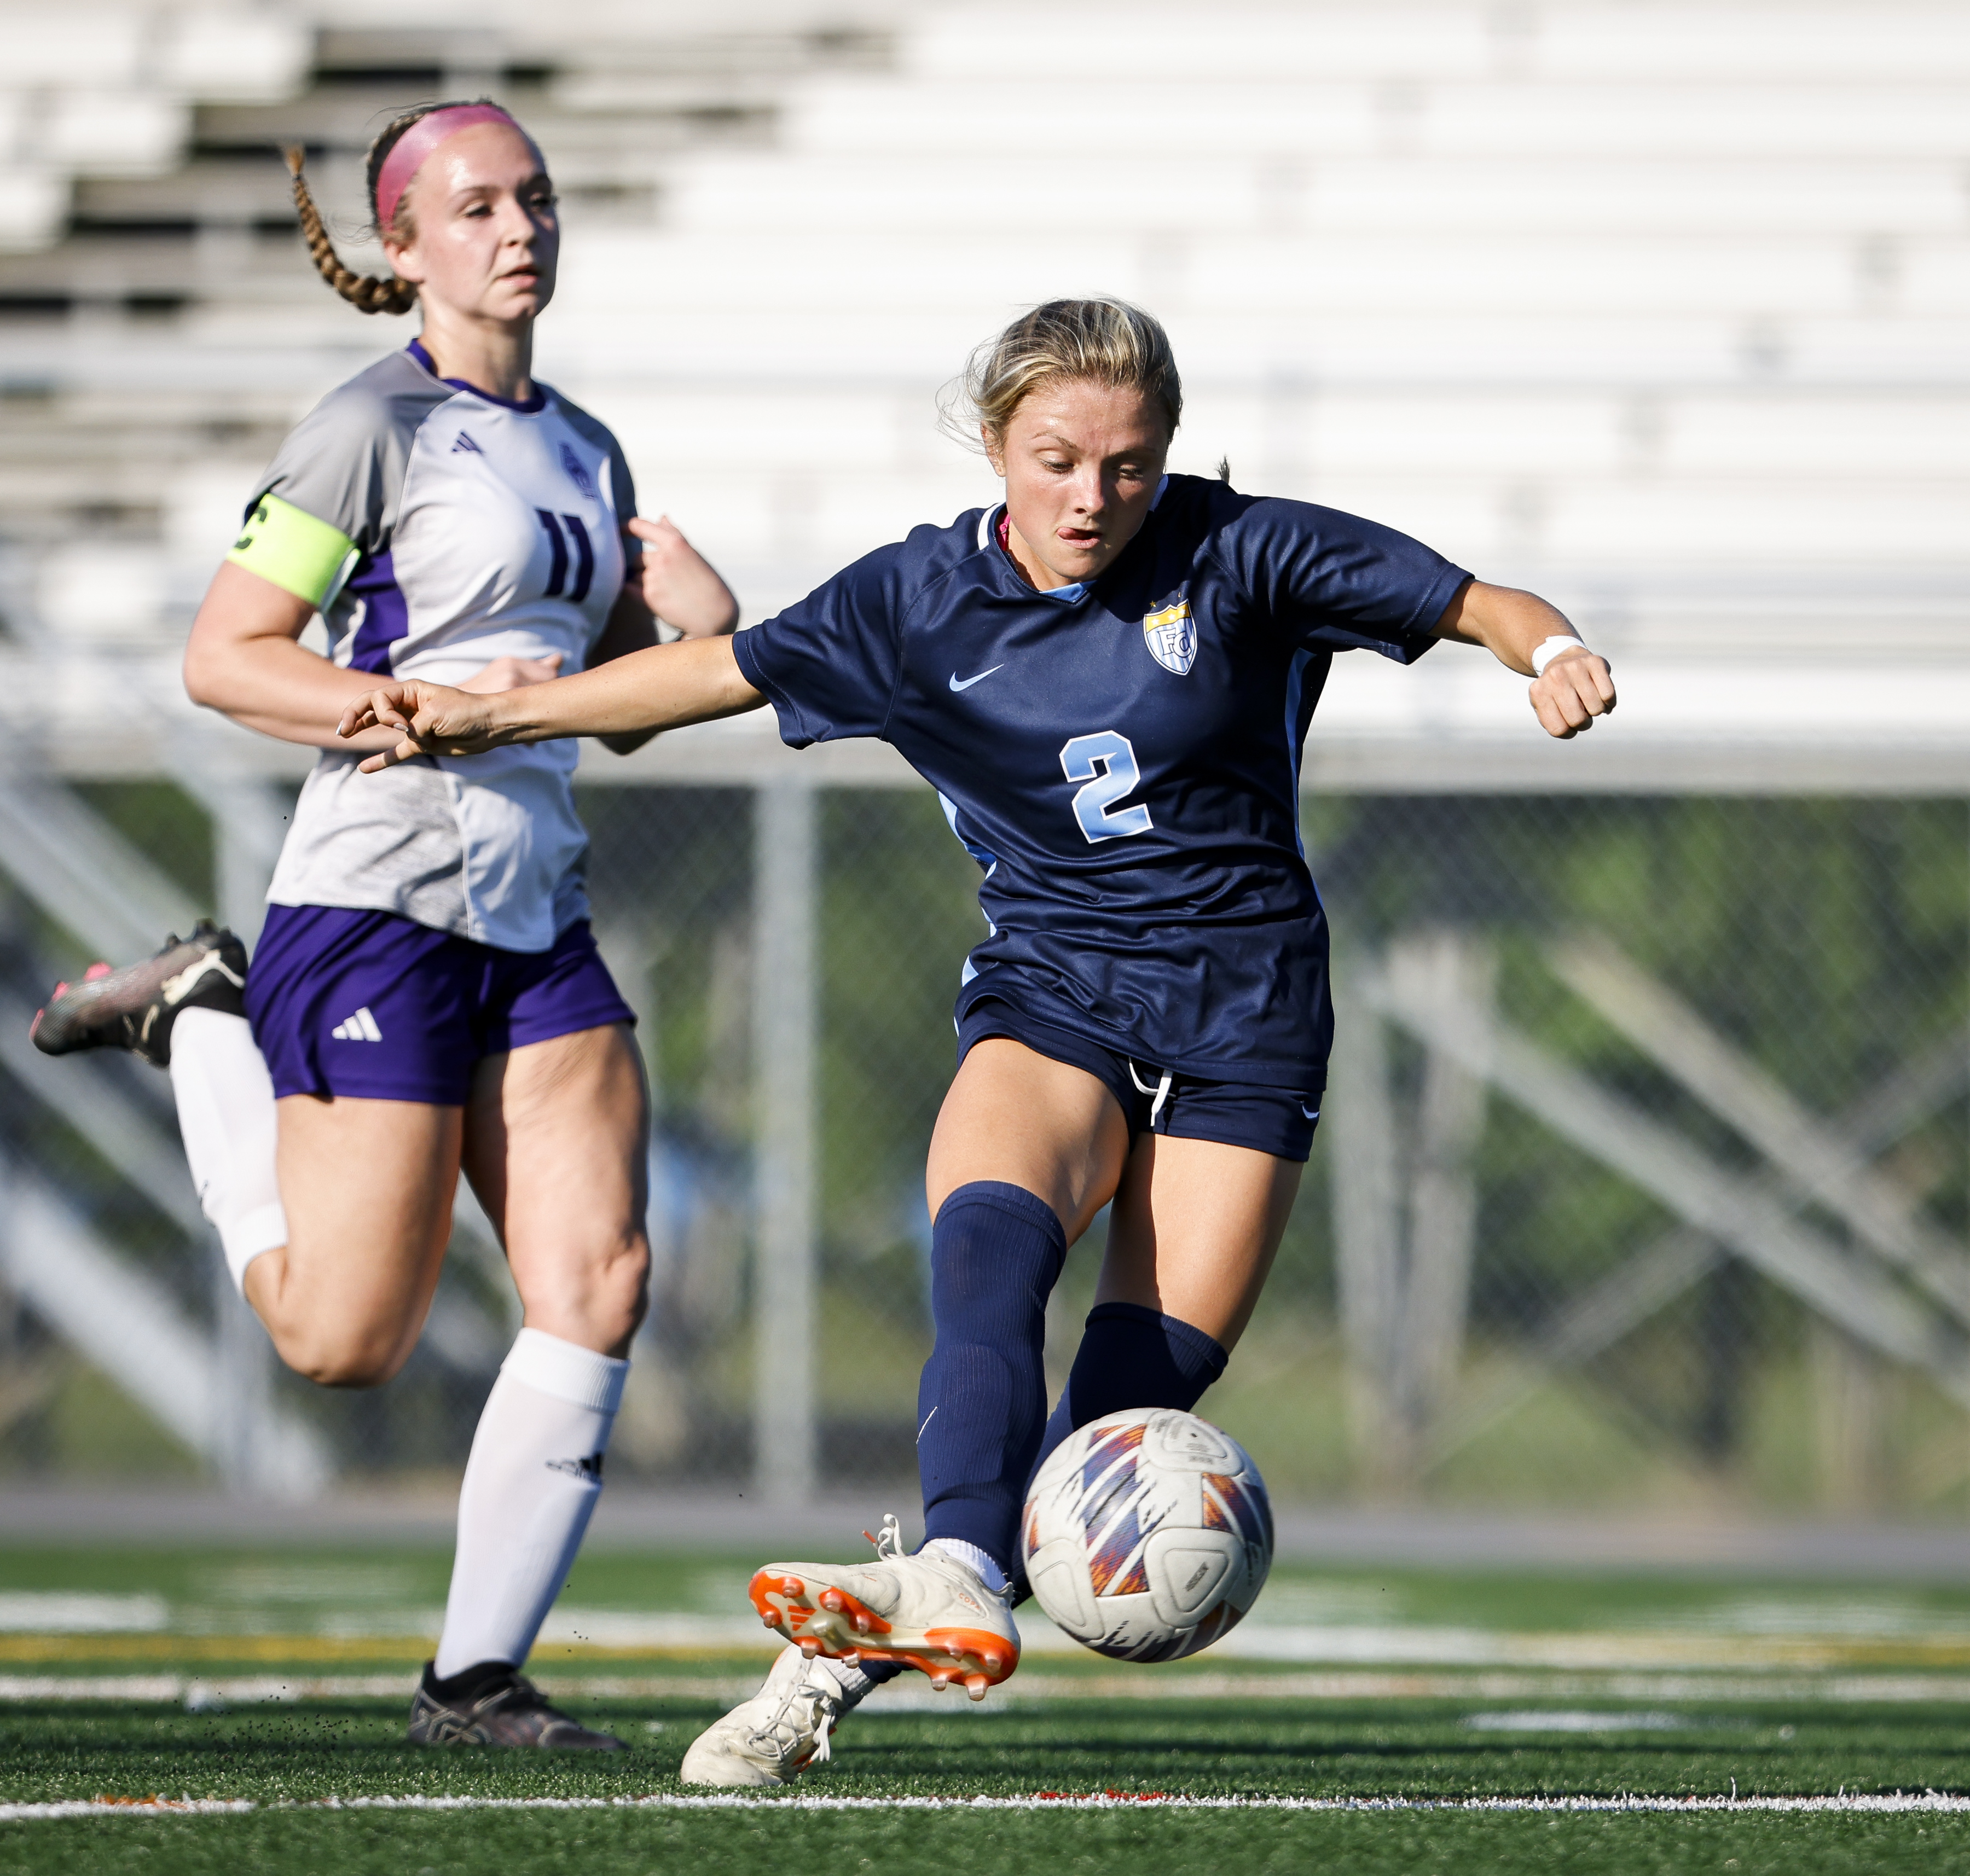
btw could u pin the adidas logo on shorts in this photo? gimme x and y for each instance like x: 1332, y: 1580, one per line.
x: 360, y: 1027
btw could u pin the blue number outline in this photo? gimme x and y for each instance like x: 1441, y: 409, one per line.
x: 1104, y: 762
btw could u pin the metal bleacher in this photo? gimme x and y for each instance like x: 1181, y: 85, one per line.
x: 159, y: 326
x: 1659, y: 309
x: 159, y: 331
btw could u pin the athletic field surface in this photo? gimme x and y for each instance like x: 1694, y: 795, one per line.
x: 167, y: 1708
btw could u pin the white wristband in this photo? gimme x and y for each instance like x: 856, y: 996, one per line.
x: 1548, y: 649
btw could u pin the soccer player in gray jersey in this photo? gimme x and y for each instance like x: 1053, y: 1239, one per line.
x: 426, y: 993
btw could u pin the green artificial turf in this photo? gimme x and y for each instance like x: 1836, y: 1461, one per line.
x: 260, y: 1614
x: 239, y: 1587
x: 1164, y: 1843
x: 287, y: 1755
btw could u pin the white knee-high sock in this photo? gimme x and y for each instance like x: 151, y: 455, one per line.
x: 226, y: 1115
x: 990, y: 1571
x: 533, y: 1478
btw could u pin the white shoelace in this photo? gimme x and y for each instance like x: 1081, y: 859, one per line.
x: 889, y: 1544
x: 777, y: 1739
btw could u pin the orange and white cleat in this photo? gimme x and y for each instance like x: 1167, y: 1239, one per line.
x: 928, y: 1612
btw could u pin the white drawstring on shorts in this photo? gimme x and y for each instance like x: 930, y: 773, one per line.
x: 1160, y: 1091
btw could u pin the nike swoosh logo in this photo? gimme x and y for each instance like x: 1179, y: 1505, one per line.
x: 965, y: 684
x: 1312, y: 1114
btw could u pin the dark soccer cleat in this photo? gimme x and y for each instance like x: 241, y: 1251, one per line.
x: 133, y: 1008
x: 494, y: 1705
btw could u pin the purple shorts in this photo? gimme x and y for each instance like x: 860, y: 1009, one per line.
x: 381, y: 1008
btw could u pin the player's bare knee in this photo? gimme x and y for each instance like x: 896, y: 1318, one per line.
x: 618, y: 1290
x: 363, y: 1367
x: 357, y: 1360
x: 602, y: 1297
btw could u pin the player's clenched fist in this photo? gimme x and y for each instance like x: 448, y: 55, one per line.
x: 1576, y: 687
x: 435, y: 720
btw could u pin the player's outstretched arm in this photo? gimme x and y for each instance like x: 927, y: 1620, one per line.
x: 1572, y: 685
x: 664, y: 687
x: 664, y: 577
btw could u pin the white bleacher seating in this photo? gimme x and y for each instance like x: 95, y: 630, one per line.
x: 739, y: 192
x: 1755, y: 44
x: 1662, y: 305
x: 1084, y: 112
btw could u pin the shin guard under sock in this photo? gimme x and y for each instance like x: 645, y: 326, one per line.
x: 532, y: 1480
x: 996, y: 1253
x: 1131, y: 1356
x: 230, y: 1125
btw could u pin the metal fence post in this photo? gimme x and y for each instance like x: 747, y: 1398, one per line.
x: 1359, y: 1121
x: 249, y: 823
x: 785, y: 1447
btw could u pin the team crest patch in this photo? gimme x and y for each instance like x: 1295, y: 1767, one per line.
x: 576, y: 473
x: 1171, y: 635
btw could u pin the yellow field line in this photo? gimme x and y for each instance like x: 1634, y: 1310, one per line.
x: 412, y: 1648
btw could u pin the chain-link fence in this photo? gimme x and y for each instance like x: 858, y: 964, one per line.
x: 1643, y: 1177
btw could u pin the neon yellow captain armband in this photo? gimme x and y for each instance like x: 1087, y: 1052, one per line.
x: 300, y: 554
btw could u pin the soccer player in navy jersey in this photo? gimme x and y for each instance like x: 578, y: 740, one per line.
x: 1108, y: 678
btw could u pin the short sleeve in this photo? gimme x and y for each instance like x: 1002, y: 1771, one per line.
x: 328, y: 500
x: 622, y: 484
x: 1336, y: 583
x: 829, y: 665
x: 336, y: 466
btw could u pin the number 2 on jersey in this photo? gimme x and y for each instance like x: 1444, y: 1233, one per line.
x: 1105, y: 763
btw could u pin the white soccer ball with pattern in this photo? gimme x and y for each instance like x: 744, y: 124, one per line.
x: 1147, y: 1535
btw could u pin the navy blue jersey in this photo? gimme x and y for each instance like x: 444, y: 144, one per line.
x: 1123, y: 758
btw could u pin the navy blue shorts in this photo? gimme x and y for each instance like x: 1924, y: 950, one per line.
x: 382, y: 1008
x: 1278, y: 1120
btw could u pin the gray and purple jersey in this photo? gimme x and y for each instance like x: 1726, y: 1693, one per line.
x: 436, y: 528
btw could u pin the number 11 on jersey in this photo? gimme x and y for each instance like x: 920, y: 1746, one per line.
x: 1105, y: 763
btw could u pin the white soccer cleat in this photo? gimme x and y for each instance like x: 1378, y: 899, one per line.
x: 771, y: 1739
x: 928, y: 1612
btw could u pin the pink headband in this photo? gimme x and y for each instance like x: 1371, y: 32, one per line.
x: 408, y: 153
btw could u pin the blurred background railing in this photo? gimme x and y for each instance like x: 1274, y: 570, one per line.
x: 1645, y: 1180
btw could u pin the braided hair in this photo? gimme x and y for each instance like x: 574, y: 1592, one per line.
x: 367, y: 292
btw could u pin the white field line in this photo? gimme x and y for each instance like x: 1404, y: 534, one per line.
x: 1036, y: 1688
x: 124, y: 1807
x: 1866, y: 1803
x: 1888, y: 1637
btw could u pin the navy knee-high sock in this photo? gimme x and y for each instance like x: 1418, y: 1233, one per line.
x: 1131, y: 1356
x: 996, y: 1253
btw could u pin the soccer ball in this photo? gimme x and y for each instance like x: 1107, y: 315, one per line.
x: 1147, y: 1535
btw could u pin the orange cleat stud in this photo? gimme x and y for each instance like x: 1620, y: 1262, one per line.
x: 833, y: 1601
x: 993, y: 1664
x: 809, y: 1647
x: 940, y: 1682
x: 976, y: 1685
